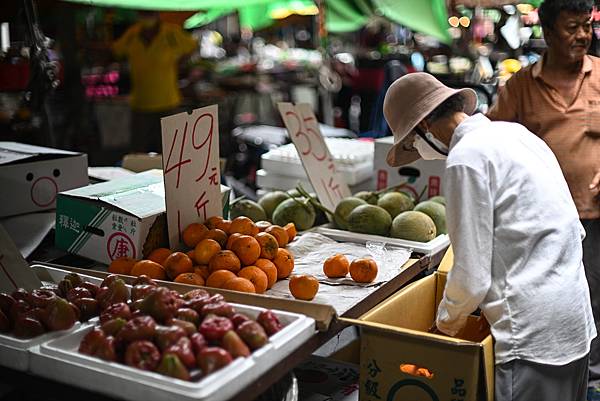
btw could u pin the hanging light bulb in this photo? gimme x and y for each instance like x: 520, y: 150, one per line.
x: 464, y: 22
x: 453, y: 21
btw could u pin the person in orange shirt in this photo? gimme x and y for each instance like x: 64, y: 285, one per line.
x: 558, y: 98
x: 153, y: 49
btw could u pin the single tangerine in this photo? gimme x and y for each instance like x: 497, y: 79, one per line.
x: 284, y: 261
x: 122, y: 265
x: 159, y: 255
x: 212, y: 222
x: 247, y: 249
x: 268, y: 245
x: 225, y: 260
x: 304, y: 286
x: 224, y: 225
x: 202, y: 270
x: 336, y: 266
x: 262, y: 225
x: 232, y: 238
x: 149, y: 268
x: 206, y: 249
x: 239, y: 284
x: 218, y: 235
x: 190, y: 278
x: 363, y: 270
x: 257, y: 277
x: 270, y: 270
x: 243, y: 225
x: 290, y: 229
x: 193, y: 234
x: 279, y: 233
x: 218, y: 278
x: 178, y: 263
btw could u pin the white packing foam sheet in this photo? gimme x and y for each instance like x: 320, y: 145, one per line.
x: 59, y: 360
x: 14, y: 352
x: 427, y: 248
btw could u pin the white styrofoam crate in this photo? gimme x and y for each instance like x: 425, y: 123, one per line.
x: 273, y: 181
x: 59, y: 360
x: 437, y: 244
x: 353, y: 158
x: 14, y: 352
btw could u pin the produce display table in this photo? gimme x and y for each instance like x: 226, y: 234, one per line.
x: 23, y: 386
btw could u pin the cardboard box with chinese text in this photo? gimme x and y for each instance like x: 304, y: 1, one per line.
x: 417, y: 174
x: 32, y: 176
x: 122, y: 217
x: 395, y: 335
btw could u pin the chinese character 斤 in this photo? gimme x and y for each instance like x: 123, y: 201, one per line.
x: 201, y: 204
x: 63, y: 221
x: 120, y: 249
x: 371, y: 388
x: 373, y: 368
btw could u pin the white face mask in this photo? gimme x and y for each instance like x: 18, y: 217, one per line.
x: 426, y: 151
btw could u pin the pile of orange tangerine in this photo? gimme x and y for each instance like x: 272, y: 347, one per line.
x: 236, y: 254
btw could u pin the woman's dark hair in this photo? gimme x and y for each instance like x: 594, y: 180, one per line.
x: 454, y: 104
x: 549, y: 10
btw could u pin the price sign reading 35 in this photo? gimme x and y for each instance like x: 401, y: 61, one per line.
x: 303, y: 128
x: 190, y: 145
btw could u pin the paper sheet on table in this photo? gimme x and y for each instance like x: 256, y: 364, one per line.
x: 310, y: 251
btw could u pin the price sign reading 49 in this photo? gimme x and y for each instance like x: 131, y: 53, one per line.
x: 303, y: 128
x: 190, y: 144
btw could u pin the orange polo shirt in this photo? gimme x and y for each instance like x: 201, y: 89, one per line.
x: 572, y: 131
x: 153, y: 67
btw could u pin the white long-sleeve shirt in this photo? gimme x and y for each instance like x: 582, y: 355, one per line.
x: 517, y: 238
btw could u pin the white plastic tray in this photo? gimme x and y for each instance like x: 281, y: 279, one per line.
x: 14, y: 352
x: 427, y: 248
x: 59, y: 360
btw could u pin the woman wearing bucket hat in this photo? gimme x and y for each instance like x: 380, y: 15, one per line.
x: 516, y: 237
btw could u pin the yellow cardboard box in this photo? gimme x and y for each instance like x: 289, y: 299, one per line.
x: 396, y: 334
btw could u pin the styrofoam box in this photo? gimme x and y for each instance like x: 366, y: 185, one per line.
x: 14, y: 352
x: 59, y: 360
x: 353, y: 158
x: 427, y: 248
x: 274, y: 181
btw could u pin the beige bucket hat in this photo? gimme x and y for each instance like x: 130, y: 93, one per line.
x: 407, y: 102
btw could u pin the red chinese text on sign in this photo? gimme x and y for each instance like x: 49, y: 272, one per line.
x: 191, y: 168
x: 303, y: 128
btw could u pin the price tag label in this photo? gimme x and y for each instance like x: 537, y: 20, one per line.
x: 191, y: 169
x: 14, y: 270
x: 303, y: 128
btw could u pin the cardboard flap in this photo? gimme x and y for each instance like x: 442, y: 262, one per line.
x: 323, y: 314
x: 141, y: 195
x: 13, y: 152
x: 488, y: 366
x: 14, y: 270
x: 447, y: 262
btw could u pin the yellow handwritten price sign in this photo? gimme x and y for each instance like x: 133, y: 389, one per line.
x: 191, y: 170
x: 303, y: 128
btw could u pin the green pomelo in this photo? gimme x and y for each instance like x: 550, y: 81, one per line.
x: 248, y: 208
x: 369, y: 197
x: 437, y: 212
x: 343, y: 209
x: 438, y: 199
x: 369, y: 219
x: 297, y: 211
x: 271, y: 200
x: 413, y: 226
x: 395, y: 203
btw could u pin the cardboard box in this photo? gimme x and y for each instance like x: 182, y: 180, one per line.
x: 323, y: 379
x: 396, y: 333
x: 122, y: 217
x: 32, y: 176
x: 417, y: 174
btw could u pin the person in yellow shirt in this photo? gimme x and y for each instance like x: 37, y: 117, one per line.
x: 153, y: 48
